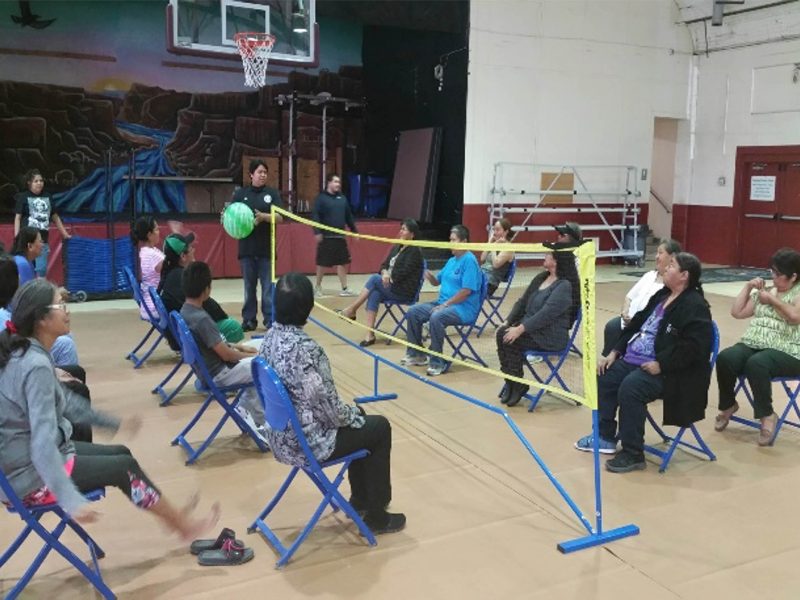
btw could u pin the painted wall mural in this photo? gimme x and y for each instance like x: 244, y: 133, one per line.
x: 86, y: 85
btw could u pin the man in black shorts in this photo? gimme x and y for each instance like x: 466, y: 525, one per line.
x: 332, y: 208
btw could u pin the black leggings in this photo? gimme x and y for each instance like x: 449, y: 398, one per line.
x: 98, y: 465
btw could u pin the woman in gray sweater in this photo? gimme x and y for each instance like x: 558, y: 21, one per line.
x: 540, y: 319
x: 36, y: 454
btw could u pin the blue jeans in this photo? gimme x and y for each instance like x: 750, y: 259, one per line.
x: 255, y: 269
x: 378, y: 293
x: 626, y: 387
x: 437, y: 322
x: 40, y: 264
x: 64, y: 351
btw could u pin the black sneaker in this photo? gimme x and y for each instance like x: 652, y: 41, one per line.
x: 249, y: 325
x: 388, y: 523
x: 625, y: 462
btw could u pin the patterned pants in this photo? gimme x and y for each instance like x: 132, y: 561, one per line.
x: 98, y: 465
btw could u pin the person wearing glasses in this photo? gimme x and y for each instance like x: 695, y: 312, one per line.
x: 770, y: 346
x: 37, y: 456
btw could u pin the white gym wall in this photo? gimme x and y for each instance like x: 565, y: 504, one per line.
x: 568, y: 82
x: 582, y: 82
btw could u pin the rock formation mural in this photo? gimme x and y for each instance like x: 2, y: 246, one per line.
x: 84, y: 143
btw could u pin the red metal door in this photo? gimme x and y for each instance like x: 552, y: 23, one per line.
x: 759, y: 234
x: 789, y: 206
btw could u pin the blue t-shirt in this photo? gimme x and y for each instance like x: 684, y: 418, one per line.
x: 25, y: 269
x: 458, y: 273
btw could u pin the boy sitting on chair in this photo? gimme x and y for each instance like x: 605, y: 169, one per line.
x: 228, y: 364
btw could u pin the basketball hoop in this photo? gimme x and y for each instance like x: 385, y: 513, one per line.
x: 255, y: 49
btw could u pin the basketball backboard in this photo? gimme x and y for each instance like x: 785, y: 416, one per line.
x: 206, y: 28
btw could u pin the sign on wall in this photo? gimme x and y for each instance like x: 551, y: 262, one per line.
x: 762, y: 187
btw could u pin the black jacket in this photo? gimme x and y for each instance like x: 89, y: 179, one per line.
x: 406, y: 272
x: 683, y: 349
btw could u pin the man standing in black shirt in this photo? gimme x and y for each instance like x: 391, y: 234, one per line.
x: 332, y: 208
x: 254, y: 250
x: 34, y: 208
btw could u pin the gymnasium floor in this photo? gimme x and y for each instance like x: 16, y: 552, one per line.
x: 483, y: 521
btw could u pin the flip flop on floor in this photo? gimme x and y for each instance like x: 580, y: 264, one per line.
x: 366, y: 343
x: 232, y: 552
x: 199, y: 546
x: 342, y: 313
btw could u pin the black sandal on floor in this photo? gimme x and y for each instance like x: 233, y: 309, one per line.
x: 366, y: 343
x: 232, y: 552
x: 199, y: 546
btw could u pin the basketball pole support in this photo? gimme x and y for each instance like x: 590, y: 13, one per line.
x: 596, y: 536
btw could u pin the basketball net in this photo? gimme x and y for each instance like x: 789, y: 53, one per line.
x: 255, y: 49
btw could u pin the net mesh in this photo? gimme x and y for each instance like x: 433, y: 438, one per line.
x: 255, y: 50
x: 576, y: 378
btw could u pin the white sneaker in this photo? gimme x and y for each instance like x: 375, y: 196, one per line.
x: 251, y: 423
x: 318, y: 293
x: 347, y: 292
x: 415, y: 361
x: 261, y: 432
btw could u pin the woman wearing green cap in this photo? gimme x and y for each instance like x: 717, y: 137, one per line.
x: 179, y: 252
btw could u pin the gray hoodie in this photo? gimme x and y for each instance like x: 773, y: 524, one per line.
x: 35, y: 426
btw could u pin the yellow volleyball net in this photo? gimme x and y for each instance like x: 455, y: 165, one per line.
x: 555, y: 367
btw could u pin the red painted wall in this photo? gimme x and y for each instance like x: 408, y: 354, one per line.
x: 296, y: 246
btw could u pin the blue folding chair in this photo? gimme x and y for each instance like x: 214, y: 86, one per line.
x: 280, y: 414
x: 495, y: 301
x: 164, y: 326
x: 389, y: 305
x: 792, y: 394
x: 553, y: 360
x: 31, y: 516
x: 151, y: 319
x: 465, y: 330
x: 193, y: 358
x: 677, y: 440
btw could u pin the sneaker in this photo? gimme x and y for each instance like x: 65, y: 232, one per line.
x: 346, y: 292
x: 586, y: 444
x: 535, y: 359
x: 414, y: 360
x: 318, y: 293
x: 436, y: 369
x: 625, y: 462
x: 261, y: 433
x: 251, y: 423
x: 391, y: 523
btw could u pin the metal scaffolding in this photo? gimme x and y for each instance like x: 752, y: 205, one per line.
x: 530, y: 189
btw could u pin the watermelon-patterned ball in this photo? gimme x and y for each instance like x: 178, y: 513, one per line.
x: 238, y: 220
